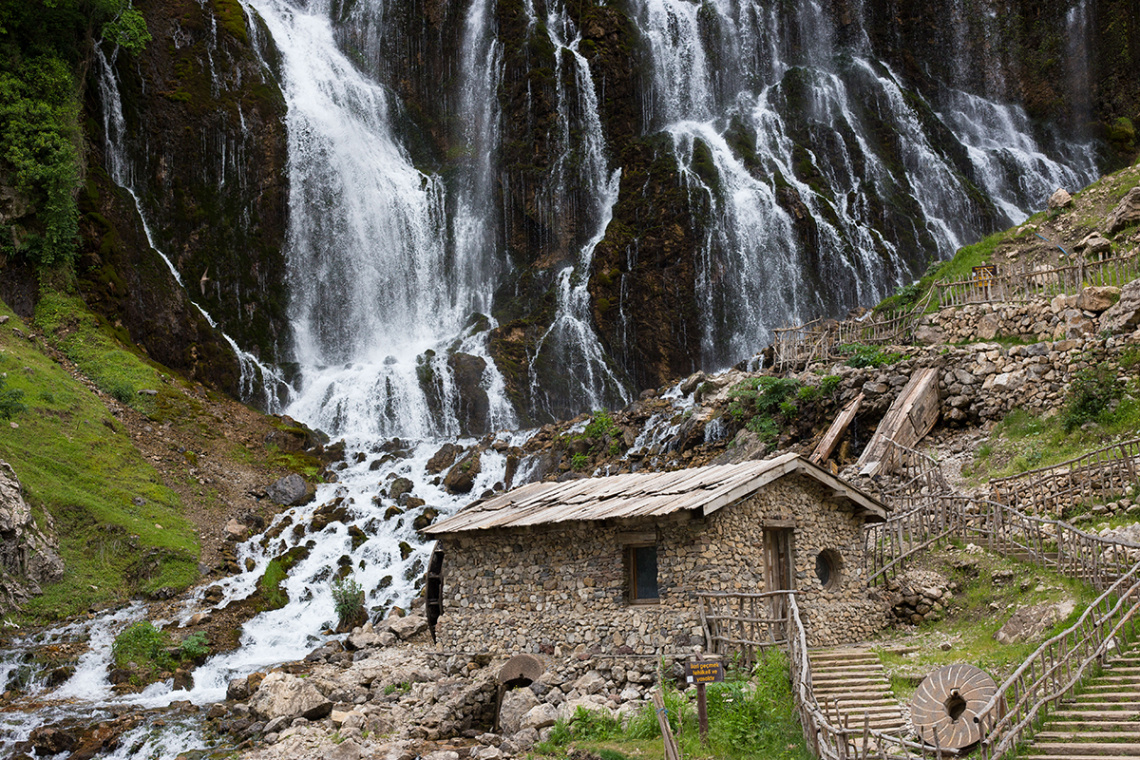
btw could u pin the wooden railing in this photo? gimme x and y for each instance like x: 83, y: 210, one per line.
x: 820, y: 340
x: 1049, y: 490
x: 1023, y: 282
x: 743, y: 624
x: 1054, y: 672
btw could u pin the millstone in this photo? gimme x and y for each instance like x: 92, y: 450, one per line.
x: 946, y: 702
x: 521, y: 670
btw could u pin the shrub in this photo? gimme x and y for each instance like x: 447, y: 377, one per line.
x: 868, y: 356
x: 601, y: 425
x: 143, y: 646
x: 348, y: 600
x: 579, y: 462
x: 10, y: 401
x: 194, y: 647
x: 829, y: 384
x: 1090, y: 395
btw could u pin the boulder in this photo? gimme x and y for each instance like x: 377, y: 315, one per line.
x: 291, y: 491
x: 443, y: 458
x: 283, y: 695
x: 1125, y: 213
x: 1098, y: 298
x: 1094, y: 245
x: 591, y: 683
x: 516, y: 704
x: 540, y: 716
x: 1030, y: 622
x: 1060, y: 199
x: 28, y: 556
x: 407, y: 627
x: 461, y: 477
x: 235, y: 531
x: 1123, y: 316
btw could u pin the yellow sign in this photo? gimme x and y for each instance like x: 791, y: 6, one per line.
x: 985, y: 275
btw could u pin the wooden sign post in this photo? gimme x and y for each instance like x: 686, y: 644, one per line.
x: 700, y: 673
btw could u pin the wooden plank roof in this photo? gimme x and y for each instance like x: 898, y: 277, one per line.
x: 640, y: 495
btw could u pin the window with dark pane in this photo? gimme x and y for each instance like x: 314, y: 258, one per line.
x: 643, y: 569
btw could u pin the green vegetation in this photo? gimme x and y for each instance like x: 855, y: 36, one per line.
x: 1098, y: 409
x: 121, y: 530
x: 750, y: 716
x: 869, y: 356
x: 11, y: 402
x: 348, y: 599
x: 763, y: 403
x: 989, y: 589
x: 42, y: 46
x: 269, y: 585
x: 148, y: 652
x: 579, y: 462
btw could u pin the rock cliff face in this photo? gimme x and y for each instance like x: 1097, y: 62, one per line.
x: 201, y: 144
x: 28, y: 555
x: 205, y: 153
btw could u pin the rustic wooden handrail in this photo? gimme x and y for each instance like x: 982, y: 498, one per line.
x: 1059, y: 666
x: 1021, y: 283
x: 1049, y: 489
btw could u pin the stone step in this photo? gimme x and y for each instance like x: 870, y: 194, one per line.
x: 1089, y: 736
x: 1075, y: 756
x: 1115, y: 716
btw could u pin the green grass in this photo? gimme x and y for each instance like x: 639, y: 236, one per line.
x: 969, y: 624
x: 751, y: 717
x: 1024, y: 441
x: 77, y: 463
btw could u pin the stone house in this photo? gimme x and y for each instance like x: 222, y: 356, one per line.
x: 614, y: 565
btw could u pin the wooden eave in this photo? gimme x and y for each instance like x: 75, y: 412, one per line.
x: 701, y: 490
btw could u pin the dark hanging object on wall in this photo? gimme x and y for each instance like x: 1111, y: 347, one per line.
x: 434, y: 589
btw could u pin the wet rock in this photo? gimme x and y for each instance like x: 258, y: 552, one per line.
x: 1094, y: 245
x: 426, y: 518
x: 443, y: 458
x: 49, y: 740
x: 399, y: 487
x: 461, y: 477
x: 291, y: 490
x: 238, y: 689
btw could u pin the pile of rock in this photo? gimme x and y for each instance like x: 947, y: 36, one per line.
x: 918, y: 596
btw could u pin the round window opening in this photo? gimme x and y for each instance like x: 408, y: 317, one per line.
x: 829, y: 568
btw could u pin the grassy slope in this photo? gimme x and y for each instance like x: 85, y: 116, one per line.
x: 121, y: 530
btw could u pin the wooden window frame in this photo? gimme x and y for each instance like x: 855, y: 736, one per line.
x: 631, y: 574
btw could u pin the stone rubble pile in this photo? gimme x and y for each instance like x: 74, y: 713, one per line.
x: 920, y: 595
x: 343, y: 697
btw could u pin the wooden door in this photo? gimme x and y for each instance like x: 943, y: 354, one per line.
x: 779, y: 572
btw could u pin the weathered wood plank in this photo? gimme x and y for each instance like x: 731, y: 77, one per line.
x: 910, y: 417
x: 838, y: 427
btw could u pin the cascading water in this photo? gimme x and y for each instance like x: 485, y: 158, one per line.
x: 819, y: 167
x: 581, y: 168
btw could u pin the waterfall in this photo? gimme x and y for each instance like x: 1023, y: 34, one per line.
x: 829, y: 183
x: 580, y: 167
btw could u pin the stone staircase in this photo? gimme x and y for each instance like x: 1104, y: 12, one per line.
x: 855, y: 677
x: 1102, y: 723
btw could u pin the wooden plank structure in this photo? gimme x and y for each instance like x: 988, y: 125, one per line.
x: 1025, y: 282
x: 910, y: 417
x: 636, y: 495
x: 838, y: 427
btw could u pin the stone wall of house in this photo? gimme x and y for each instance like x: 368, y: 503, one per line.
x: 563, y: 589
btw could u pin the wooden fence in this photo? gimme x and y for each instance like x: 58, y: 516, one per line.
x: 1022, y: 282
x: 1054, y: 672
x: 820, y: 339
x: 743, y: 624
x: 1095, y: 475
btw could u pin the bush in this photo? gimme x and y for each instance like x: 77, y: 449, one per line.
x: 143, y: 647
x: 1090, y: 395
x: 348, y: 600
x: 10, y: 401
x: 868, y: 356
x: 194, y: 647
x: 829, y: 384
x: 579, y: 462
